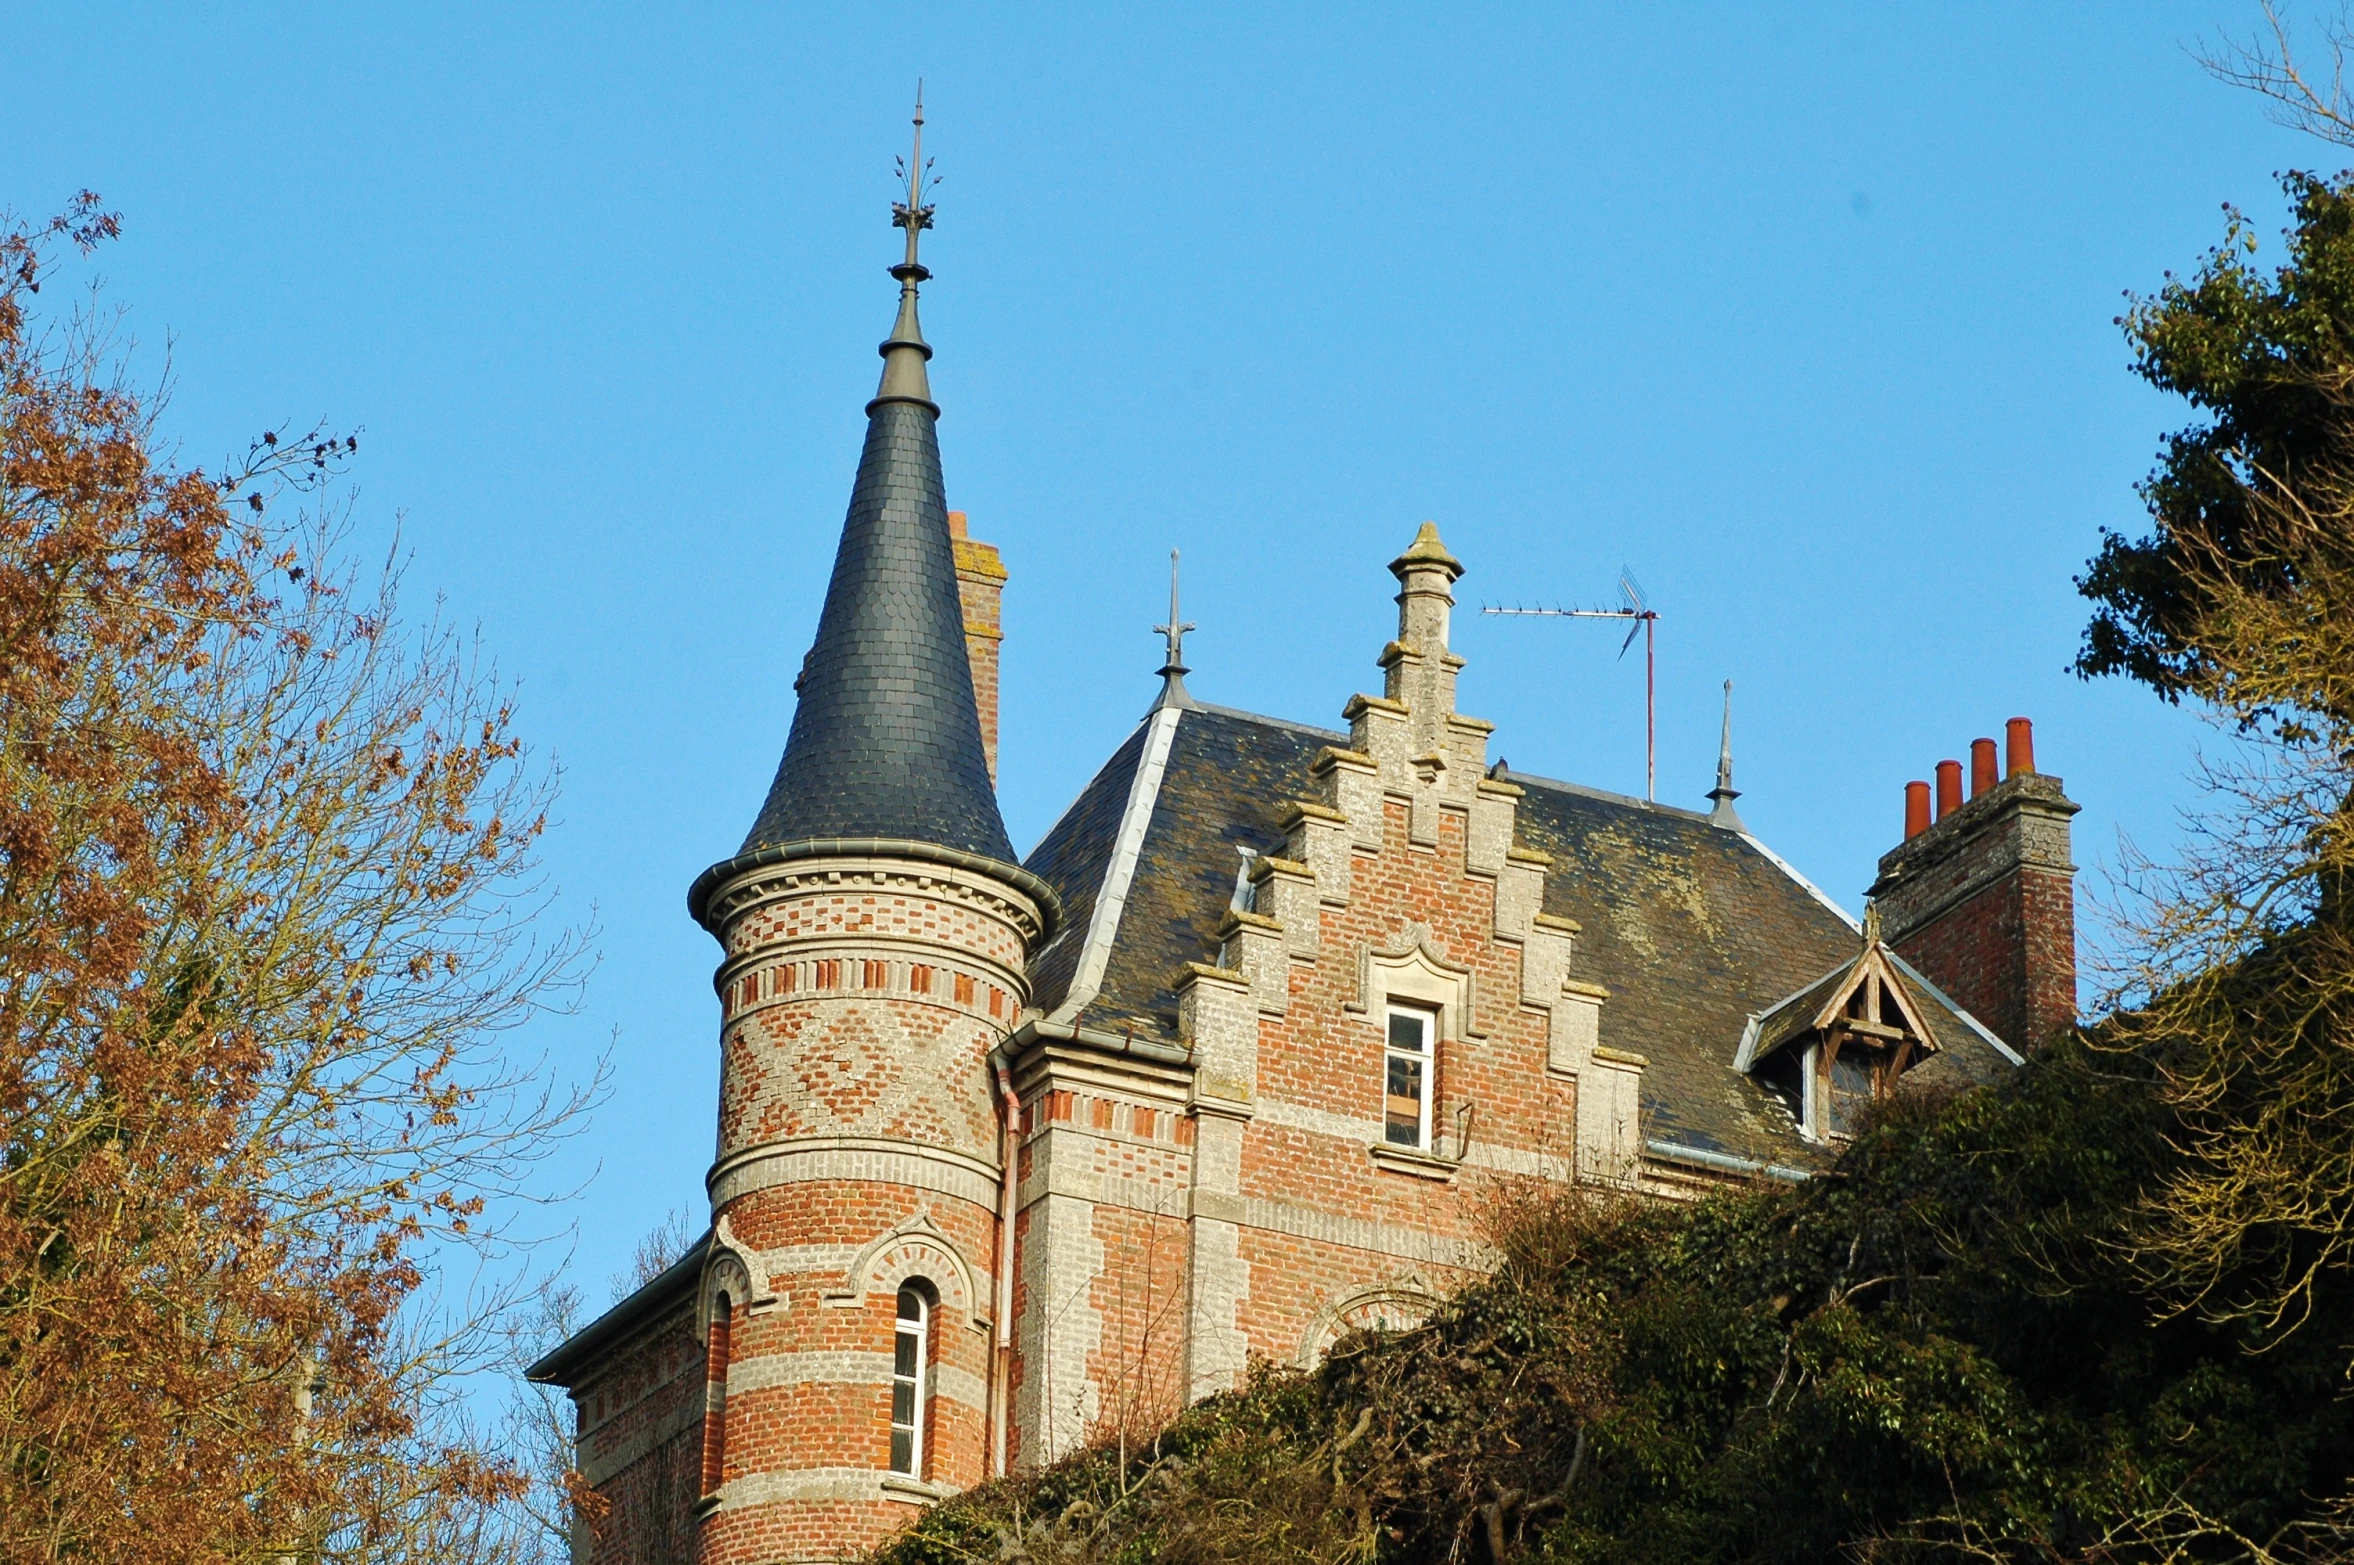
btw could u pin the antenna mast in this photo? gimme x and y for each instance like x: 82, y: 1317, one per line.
x: 1644, y: 618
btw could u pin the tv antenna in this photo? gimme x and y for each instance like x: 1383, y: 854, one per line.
x: 1644, y: 620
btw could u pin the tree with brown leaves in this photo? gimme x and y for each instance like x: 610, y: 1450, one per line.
x: 267, y: 903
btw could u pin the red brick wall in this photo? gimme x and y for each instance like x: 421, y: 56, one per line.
x: 1983, y: 902
x: 858, y: 1141
x: 641, y: 1444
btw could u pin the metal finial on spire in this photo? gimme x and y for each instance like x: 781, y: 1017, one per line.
x: 914, y: 214
x: 1173, y: 669
x: 905, y: 351
x: 1724, y: 793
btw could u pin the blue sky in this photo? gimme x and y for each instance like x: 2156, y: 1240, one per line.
x: 1802, y: 313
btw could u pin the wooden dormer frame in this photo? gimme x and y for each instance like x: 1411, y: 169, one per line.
x: 1892, y: 1019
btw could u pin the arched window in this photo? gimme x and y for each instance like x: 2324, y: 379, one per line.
x: 911, y: 1355
x: 715, y: 1398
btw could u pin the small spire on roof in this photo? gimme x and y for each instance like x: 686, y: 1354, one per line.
x: 1871, y: 922
x: 1173, y: 669
x: 905, y: 351
x: 1724, y: 793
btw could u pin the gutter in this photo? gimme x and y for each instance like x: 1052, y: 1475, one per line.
x: 1724, y: 1162
x: 1045, y: 1030
x: 1009, y: 1148
x: 622, y: 1318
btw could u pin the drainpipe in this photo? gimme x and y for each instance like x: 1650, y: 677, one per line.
x: 1009, y: 1152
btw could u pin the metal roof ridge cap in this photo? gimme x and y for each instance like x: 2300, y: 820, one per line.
x: 1817, y: 892
x: 1947, y: 1000
x: 1111, y: 898
x: 1215, y: 710
x: 1082, y: 793
x: 1587, y: 790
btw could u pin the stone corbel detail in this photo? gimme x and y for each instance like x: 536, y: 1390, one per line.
x: 1217, y: 1015
x: 1285, y: 889
x: 1252, y: 945
x: 1352, y: 786
x: 1520, y: 892
x: 1494, y: 808
x: 1319, y: 838
x: 730, y: 1255
x: 1610, y: 1109
x: 1430, y: 772
x: 1467, y: 741
x: 1545, y: 955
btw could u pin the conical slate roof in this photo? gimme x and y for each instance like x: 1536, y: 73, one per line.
x: 885, y: 748
x: 886, y: 741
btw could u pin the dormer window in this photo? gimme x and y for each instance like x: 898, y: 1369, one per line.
x: 1839, y: 1045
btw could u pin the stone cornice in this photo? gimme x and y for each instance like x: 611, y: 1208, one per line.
x: 1002, y: 890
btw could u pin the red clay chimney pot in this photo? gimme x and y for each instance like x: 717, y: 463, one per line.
x: 1982, y: 773
x: 2019, y: 739
x: 1916, y: 809
x: 1949, y: 788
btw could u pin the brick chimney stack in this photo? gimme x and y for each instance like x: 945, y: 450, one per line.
x: 980, y: 584
x: 1983, y: 900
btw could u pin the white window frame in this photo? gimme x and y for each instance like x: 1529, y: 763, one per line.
x: 1428, y: 1059
x: 920, y: 1329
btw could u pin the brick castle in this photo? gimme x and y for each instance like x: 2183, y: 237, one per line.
x: 1017, y: 1152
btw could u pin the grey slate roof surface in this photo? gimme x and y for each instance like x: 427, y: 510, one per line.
x: 1072, y: 858
x: 1229, y: 775
x: 1690, y: 926
x: 885, y: 739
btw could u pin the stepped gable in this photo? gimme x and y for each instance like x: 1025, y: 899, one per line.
x: 1691, y: 927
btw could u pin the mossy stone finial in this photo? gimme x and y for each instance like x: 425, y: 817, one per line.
x: 1426, y: 550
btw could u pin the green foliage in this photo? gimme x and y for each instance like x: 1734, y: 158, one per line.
x: 2269, y: 361
x: 1941, y: 1351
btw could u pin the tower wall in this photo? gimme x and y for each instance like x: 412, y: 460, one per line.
x: 858, y: 1153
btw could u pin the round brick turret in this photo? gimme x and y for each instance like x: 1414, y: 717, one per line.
x: 874, y: 929
x: 859, y: 1156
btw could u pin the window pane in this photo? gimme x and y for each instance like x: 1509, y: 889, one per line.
x: 903, y: 1402
x: 911, y: 1304
x: 1402, y: 1116
x: 1851, y: 1087
x: 903, y: 1450
x: 1406, y: 1030
x: 903, y: 1362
